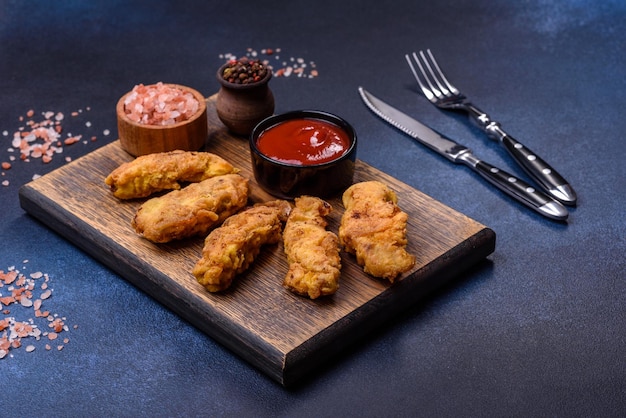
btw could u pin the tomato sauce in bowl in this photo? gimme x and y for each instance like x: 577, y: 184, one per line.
x: 305, y: 152
x: 303, y: 142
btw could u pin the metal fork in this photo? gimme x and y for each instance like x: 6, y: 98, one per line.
x: 439, y: 91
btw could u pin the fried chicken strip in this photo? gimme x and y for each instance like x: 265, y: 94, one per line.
x: 230, y: 249
x: 373, y: 228
x: 193, y: 210
x: 312, y: 251
x: 152, y: 173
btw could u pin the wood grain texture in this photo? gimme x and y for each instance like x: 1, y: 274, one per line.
x: 141, y: 139
x: 284, y: 335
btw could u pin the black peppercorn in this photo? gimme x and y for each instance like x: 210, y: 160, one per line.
x: 244, y: 71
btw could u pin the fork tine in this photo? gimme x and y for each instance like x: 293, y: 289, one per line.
x: 427, y: 92
x: 437, y: 92
x: 445, y: 92
x: 449, y: 85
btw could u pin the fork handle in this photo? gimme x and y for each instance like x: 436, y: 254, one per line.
x: 516, y: 188
x: 540, y: 171
x: 546, y: 176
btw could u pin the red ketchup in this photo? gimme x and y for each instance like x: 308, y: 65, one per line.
x: 303, y: 142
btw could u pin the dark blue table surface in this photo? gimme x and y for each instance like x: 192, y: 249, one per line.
x: 538, y: 329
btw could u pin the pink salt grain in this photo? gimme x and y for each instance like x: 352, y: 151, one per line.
x: 160, y: 104
x: 16, y: 294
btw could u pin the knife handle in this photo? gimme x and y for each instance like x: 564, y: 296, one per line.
x: 520, y: 190
x: 547, y: 177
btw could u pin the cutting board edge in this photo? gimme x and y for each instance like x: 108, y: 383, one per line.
x: 242, y: 342
x: 302, y: 361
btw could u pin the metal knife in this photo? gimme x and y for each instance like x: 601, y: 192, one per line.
x: 460, y: 154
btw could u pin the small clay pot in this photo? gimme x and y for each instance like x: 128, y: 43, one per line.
x: 241, y: 106
x: 140, y: 139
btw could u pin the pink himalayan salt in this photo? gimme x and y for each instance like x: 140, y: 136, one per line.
x: 159, y: 104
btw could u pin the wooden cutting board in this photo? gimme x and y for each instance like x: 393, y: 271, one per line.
x: 284, y: 335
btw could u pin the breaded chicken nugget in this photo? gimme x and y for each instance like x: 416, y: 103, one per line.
x: 374, y: 229
x: 151, y: 173
x: 231, y: 248
x: 312, y: 251
x: 193, y: 210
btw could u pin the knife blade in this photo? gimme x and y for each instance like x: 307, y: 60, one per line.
x: 460, y: 154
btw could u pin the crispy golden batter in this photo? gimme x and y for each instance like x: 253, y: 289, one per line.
x: 374, y: 229
x: 312, y: 251
x: 231, y: 248
x: 164, y: 171
x: 193, y: 210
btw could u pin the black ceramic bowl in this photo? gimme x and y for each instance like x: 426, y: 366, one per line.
x: 289, y: 180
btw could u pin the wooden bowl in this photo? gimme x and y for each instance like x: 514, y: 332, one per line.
x: 141, y: 139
